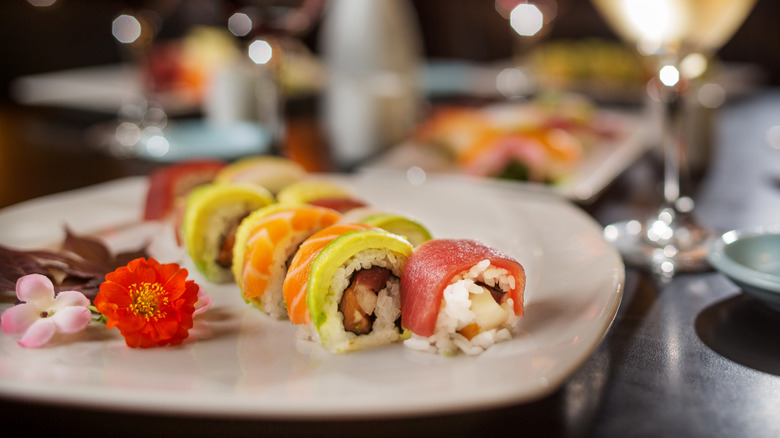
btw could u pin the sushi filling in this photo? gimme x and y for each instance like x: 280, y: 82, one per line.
x: 365, y: 312
x: 227, y: 240
x: 476, y: 312
x: 359, y: 301
x: 217, y: 254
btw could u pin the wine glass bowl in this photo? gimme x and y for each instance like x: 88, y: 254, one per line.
x: 675, y: 26
x: 666, y: 31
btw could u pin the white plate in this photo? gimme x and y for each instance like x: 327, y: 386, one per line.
x: 601, y: 164
x: 244, y: 364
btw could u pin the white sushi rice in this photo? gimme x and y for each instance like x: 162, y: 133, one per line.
x: 387, y: 310
x: 456, y: 313
x: 214, y: 230
x: 272, y: 300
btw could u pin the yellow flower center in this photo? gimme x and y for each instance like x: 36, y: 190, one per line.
x: 147, y: 300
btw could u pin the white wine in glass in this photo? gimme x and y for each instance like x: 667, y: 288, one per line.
x: 670, y: 240
x: 675, y: 26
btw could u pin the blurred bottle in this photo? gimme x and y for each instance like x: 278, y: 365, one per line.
x: 372, y: 50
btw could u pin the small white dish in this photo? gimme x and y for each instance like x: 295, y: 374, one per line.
x: 750, y: 257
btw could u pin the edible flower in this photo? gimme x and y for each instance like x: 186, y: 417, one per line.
x: 42, y: 313
x: 152, y: 304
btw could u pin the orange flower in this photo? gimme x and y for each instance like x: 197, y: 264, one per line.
x: 151, y: 304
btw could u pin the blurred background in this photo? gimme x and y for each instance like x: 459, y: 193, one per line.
x: 48, y: 35
x: 64, y: 88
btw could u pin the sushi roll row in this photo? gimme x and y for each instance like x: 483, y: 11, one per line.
x: 351, y: 276
x: 337, y: 277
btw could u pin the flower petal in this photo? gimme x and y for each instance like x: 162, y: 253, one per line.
x: 72, y: 319
x: 38, y: 334
x: 19, y: 318
x: 171, y: 297
x: 203, y: 303
x: 35, y: 289
x: 70, y: 298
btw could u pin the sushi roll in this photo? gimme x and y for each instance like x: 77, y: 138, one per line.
x: 211, y: 217
x: 170, y: 184
x: 460, y: 295
x: 321, y: 192
x: 343, y: 286
x: 266, y: 240
x: 272, y: 172
x: 414, y: 231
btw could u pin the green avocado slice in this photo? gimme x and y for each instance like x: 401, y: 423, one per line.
x: 321, y: 304
x: 210, y: 209
x: 413, y: 231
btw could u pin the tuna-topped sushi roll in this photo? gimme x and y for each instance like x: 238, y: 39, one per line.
x: 266, y: 241
x: 211, y: 217
x: 343, y: 286
x: 460, y: 295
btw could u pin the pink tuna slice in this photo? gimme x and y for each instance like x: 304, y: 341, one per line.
x: 430, y: 269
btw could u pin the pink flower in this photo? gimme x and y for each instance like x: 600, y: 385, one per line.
x: 42, y: 314
x: 203, y: 304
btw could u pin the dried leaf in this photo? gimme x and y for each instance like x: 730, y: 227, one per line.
x: 15, y: 264
x: 81, y: 264
x: 89, y: 249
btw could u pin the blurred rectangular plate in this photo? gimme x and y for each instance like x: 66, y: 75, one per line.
x: 601, y: 164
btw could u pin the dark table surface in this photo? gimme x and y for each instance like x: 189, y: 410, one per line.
x: 694, y: 357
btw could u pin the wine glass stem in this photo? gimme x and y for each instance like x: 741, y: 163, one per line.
x: 672, y: 138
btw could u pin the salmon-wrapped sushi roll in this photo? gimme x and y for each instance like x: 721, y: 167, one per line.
x: 343, y: 284
x: 266, y: 240
x: 460, y: 295
x: 211, y: 217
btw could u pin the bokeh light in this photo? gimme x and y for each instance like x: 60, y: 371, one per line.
x: 711, y: 95
x: 694, y: 65
x: 526, y: 19
x: 126, y: 29
x: 240, y: 24
x: 669, y: 75
x: 41, y: 3
x: 260, y: 52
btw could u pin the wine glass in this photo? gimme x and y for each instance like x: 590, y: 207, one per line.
x: 665, y: 31
x: 272, y: 32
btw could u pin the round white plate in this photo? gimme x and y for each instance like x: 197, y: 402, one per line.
x: 240, y: 363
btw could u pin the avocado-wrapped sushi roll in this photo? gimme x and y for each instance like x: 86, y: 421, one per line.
x: 266, y: 240
x: 321, y: 192
x: 460, y: 295
x: 343, y: 284
x: 414, y: 231
x: 272, y: 172
x: 211, y: 217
